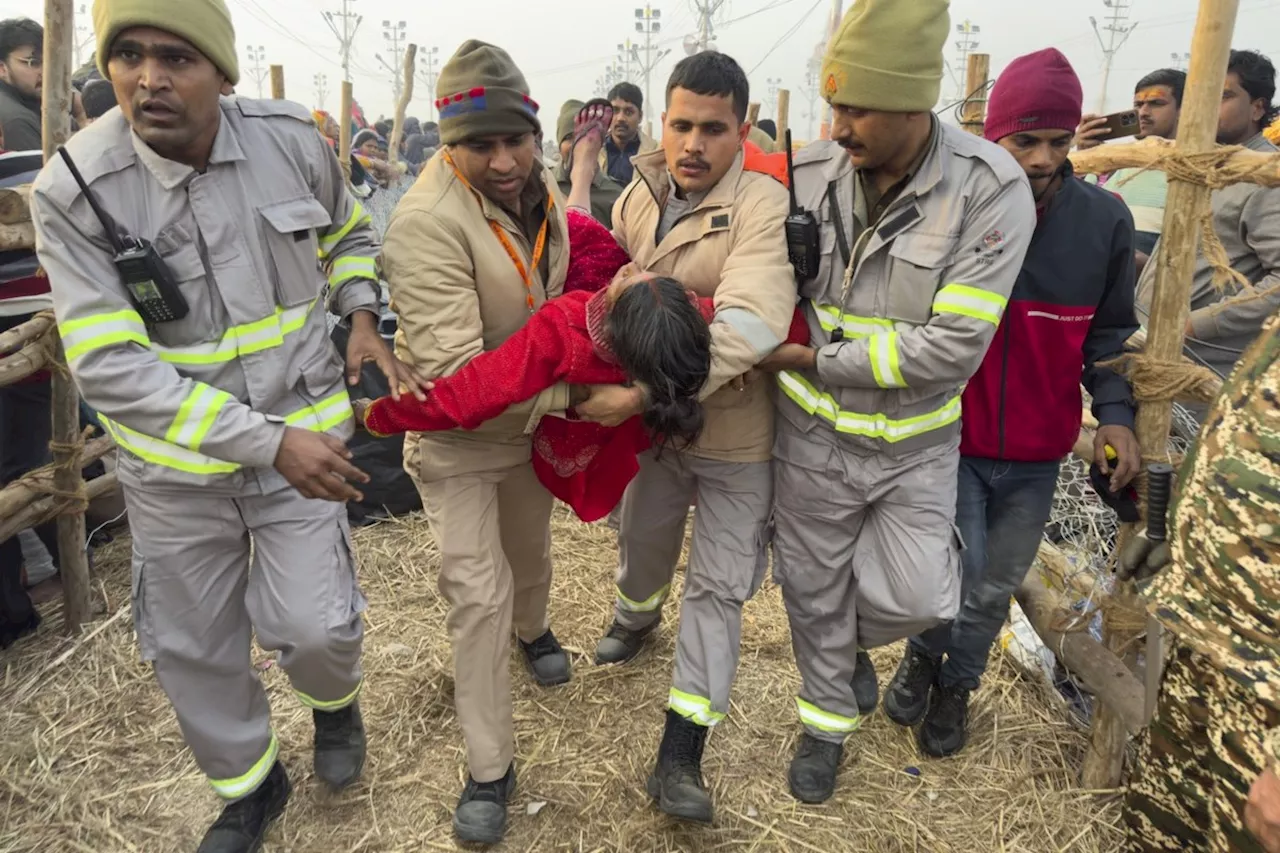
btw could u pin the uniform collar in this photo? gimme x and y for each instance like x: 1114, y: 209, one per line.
x: 170, y: 174
x: 652, y: 169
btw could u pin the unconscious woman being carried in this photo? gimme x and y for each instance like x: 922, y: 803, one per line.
x: 613, y: 325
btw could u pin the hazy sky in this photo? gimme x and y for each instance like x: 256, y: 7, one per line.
x: 563, y: 46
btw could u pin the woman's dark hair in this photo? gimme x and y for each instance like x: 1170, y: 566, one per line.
x: 661, y: 340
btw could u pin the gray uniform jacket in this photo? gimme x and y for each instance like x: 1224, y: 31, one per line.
x: 1224, y: 322
x: 923, y: 301
x: 257, y: 243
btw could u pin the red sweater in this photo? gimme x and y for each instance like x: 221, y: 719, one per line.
x: 584, y: 464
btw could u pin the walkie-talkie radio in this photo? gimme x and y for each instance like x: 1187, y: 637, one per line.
x: 147, y: 279
x: 802, y: 229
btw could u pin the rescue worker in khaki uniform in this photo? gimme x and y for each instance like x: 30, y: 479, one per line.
x: 1207, y: 778
x: 696, y: 216
x: 231, y: 420
x: 476, y: 245
x: 923, y: 229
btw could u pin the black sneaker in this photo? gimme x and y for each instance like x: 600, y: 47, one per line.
x: 945, y: 729
x: 547, y: 660
x: 676, y: 781
x: 243, y: 824
x: 339, y: 745
x: 481, y: 814
x: 620, y: 644
x: 812, y: 775
x: 907, y: 698
x: 866, y: 689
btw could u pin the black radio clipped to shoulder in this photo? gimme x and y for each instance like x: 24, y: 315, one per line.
x: 802, y: 229
x: 146, y: 278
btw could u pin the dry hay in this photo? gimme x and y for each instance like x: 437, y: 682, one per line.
x: 92, y: 759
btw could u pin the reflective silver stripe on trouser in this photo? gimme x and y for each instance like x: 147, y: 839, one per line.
x: 197, y: 606
x: 903, y: 550
x: 727, y: 563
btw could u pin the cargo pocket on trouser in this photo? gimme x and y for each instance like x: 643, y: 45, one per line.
x: 143, y: 625
x: 347, y: 601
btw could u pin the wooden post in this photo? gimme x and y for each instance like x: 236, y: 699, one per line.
x: 1175, y: 260
x: 783, y: 117
x: 344, y: 130
x: 753, y: 113
x: 277, y: 82
x: 406, y: 95
x: 55, y: 115
x: 975, y: 90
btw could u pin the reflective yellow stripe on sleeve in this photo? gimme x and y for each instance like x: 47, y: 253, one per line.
x: 85, y: 334
x: 196, y: 415
x: 348, y: 268
x: 241, y: 340
x: 321, y: 416
x: 884, y: 360
x: 970, y: 302
x: 696, y: 709
x: 234, y: 789
x: 830, y: 317
x: 870, y: 425
x: 330, y: 241
x: 825, y: 721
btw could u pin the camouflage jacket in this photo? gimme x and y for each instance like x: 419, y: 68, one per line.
x: 1221, y: 595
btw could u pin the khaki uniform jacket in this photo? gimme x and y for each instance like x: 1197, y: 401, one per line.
x: 202, y: 402
x: 924, y: 299
x: 731, y: 247
x: 457, y: 294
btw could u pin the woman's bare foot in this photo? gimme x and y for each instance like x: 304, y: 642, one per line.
x: 590, y: 127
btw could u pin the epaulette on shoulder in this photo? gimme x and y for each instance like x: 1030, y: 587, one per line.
x: 256, y: 108
x: 1001, y: 162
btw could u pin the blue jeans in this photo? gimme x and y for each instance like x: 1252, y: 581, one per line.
x: 1001, y: 510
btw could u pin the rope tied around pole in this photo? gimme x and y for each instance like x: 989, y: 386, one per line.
x: 40, y: 481
x: 1158, y: 381
x: 1216, y: 170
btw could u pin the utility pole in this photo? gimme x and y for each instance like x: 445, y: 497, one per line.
x: 649, y: 24
x: 625, y: 53
x: 774, y: 84
x: 344, y: 25
x: 322, y: 90
x: 395, y: 36
x: 1180, y: 61
x: 84, y: 34
x: 427, y: 73
x: 706, y: 10
x: 257, y: 56
x: 966, y: 44
x: 812, y: 70
x: 837, y: 12
x: 1118, y: 30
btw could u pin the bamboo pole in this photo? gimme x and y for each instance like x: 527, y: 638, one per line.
x: 16, y: 237
x: 33, y: 486
x: 1175, y: 259
x: 277, y: 82
x: 974, y: 112
x: 783, y: 119
x: 50, y: 507
x: 753, y: 113
x: 1240, y: 164
x: 55, y: 114
x: 26, y: 333
x: 344, y: 130
x: 402, y: 106
x: 1101, y: 671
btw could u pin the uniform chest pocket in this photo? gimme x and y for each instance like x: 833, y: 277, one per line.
x: 917, y: 263
x: 290, y: 228
x: 184, y: 263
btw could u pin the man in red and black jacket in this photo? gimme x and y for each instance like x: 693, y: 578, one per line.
x: 1071, y: 309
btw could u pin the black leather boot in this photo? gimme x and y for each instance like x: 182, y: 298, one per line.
x: 676, y: 781
x: 243, y: 824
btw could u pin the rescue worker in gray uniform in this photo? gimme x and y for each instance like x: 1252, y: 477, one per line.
x: 923, y: 229
x: 230, y: 419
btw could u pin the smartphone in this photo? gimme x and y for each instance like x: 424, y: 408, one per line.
x: 1121, y: 124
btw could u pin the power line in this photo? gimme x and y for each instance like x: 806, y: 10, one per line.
x: 788, y: 34
x: 344, y: 24
x: 1118, y: 31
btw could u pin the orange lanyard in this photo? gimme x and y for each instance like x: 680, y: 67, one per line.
x: 539, y: 246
